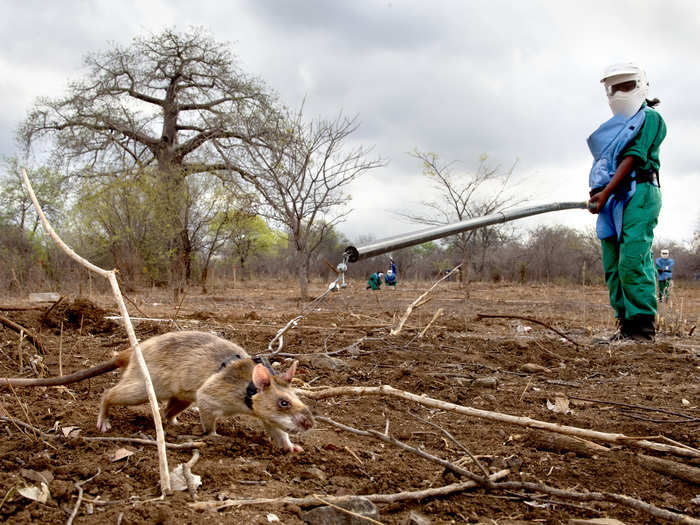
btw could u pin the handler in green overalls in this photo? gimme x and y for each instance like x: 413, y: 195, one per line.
x: 375, y: 281
x: 625, y: 194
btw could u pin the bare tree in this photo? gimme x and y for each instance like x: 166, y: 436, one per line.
x: 462, y: 196
x: 301, y: 176
x: 160, y: 102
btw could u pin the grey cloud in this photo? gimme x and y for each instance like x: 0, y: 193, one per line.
x: 511, y: 79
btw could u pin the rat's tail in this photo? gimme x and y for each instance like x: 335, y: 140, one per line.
x: 119, y: 361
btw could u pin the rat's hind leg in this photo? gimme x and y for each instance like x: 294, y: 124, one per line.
x: 175, y: 406
x: 124, y: 393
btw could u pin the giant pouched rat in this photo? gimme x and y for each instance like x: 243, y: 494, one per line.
x: 198, y: 367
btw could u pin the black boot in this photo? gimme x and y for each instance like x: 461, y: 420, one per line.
x: 643, y: 328
x: 623, y: 333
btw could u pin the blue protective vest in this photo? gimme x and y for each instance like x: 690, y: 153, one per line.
x: 606, y: 143
x: 664, y: 267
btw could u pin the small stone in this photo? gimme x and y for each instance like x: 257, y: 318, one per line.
x: 313, y: 473
x: 416, y: 518
x: 331, y: 516
x: 486, y: 382
x: 328, y: 362
x: 532, y: 368
x: 596, y: 521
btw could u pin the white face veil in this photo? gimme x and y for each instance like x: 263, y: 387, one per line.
x: 626, y: 87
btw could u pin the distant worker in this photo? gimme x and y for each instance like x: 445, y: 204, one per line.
x: 375, y: 281
x: 390, y: 277
x: 624, y: 192
x: 664, y: 267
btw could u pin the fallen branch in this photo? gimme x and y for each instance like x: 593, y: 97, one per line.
x: 31, y: 336
x: 479, y: 317
x: 376, y: 498
x: 671, y: 468
x: 112, y: 278
x: 321, y: 393
x: 562, y: 443
x: 601, y: 496
x: 418, y: 302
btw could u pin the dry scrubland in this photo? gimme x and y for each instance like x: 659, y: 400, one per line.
x: 459, y: 359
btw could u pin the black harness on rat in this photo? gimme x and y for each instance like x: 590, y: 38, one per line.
x: 251, y: 389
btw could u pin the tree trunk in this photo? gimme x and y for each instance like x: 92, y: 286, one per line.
x: 464, y: 270
x: 205, y: 273
x: 302, y: 274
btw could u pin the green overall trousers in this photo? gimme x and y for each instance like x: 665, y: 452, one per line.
x: 630, y: 272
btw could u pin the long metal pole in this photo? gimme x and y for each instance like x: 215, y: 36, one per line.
x: 397, y: 242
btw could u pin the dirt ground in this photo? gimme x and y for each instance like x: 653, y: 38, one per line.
x: 459, y: 359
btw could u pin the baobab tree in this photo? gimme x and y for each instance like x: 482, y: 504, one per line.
x: 158, y: 104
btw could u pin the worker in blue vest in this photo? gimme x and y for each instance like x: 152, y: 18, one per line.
x: 625, y: 194
x: 664, y: 268
x: 390, y: 277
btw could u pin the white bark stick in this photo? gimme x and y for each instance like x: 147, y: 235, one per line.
x: 417, y: 303
x: 503, y: 418
x: 112, y: 278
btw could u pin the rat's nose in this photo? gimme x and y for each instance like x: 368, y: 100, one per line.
x: 305, y: 420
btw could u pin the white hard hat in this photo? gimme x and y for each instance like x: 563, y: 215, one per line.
x: 664, y: 253
x: 389, y: 272
x: 623, y: 68
x: 626, y: 87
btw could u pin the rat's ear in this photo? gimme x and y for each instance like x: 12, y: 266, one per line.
x: 261, y: 377
x: 289, y: 374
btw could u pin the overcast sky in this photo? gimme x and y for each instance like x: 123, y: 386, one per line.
x: 514, y: 80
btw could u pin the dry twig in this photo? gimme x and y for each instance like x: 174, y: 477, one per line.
x: 418, y: 302
x: 31, y: 336
x: 452, y: 438
x: 479, y: 317
x: 112, y: 278
x: 482, y: 480
x: 376, y: 498
x: 437, y: 314
x: 637, y: 407
x: 79, y: 486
